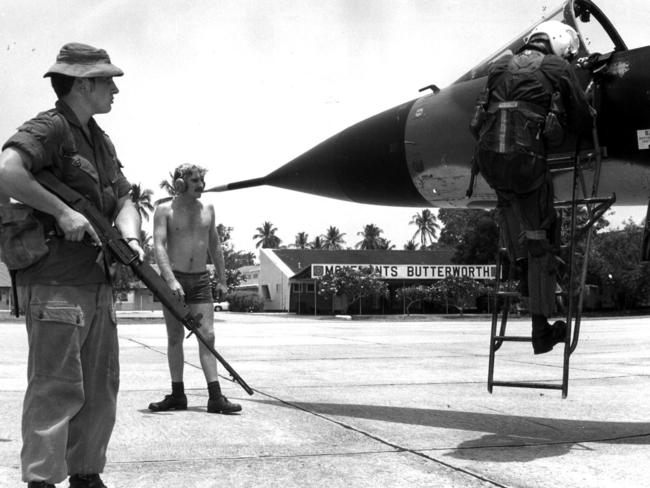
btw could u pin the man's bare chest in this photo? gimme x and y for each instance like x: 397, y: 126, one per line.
x: 189, y: 222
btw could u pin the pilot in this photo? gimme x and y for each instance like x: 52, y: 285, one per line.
x: 531, y: 100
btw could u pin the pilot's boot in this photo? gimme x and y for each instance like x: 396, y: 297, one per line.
x: 545, y: 336
x: 217, y: 403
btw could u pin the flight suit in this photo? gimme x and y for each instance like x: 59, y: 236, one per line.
x: 511, y: 156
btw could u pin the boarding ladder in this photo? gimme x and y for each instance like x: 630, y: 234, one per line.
x: 584, y: 208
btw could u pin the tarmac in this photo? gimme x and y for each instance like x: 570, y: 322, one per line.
x: 390, y: 402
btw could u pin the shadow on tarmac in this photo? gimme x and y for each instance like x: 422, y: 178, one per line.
x: 510, y: 438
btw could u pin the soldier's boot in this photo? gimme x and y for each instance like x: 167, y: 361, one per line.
x: 86, y: 481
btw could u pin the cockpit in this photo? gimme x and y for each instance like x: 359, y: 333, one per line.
x: 596, y: 33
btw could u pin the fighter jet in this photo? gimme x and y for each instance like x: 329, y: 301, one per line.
x: 419, y: 153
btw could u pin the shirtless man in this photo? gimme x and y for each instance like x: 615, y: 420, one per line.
x: 184, y: 234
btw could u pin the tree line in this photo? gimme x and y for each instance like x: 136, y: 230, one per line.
x: 371, y: 236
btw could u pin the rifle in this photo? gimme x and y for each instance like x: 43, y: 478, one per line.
x: 112, y: 239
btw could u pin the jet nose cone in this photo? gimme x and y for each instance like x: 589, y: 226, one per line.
x: 365, y: 163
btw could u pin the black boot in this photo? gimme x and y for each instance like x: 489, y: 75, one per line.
x: 86, y: 481
x: 170, y: 402
x: 545, y: 336
x: 217, y: 403
x: 176, y: 401
x: 222, y: 405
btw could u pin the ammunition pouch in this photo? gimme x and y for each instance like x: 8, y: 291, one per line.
x: 22, y: 237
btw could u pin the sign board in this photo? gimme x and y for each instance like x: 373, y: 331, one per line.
x: 643, y: 136
x: 413, y: 271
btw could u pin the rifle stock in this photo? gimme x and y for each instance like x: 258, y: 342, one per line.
x: 112, y: 239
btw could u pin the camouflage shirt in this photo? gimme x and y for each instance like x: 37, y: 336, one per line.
x: 90, y: 166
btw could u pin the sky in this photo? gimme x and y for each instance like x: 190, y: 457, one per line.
x: 242, y: 87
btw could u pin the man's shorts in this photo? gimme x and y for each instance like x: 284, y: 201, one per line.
x: 196, y: 286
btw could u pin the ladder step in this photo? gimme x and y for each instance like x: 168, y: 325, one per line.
x: 512, y: 338
x: 584, y: 201
x: 526, y: 384
x: 560, y: 159
x: 575, y: 165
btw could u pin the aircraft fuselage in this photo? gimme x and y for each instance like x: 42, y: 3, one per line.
x: 419, y: 153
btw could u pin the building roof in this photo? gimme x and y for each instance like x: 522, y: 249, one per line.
x: 300, y: 259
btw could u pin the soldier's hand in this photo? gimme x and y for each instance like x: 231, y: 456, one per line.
x: 134, y: 244
x: 75, y: 226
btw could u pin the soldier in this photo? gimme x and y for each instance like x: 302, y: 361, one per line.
x: 64, y: 285
x: 184, y: 235
x: 531, y: 98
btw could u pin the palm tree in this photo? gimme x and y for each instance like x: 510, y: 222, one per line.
x: 302, y: 241
x: 266, y: 236
x: 385, y: 244
x: 317, y: 243
x: 168, y: 186
x: 411, y: 246
x: 142, y: 200
x: 371, y: 238
x: 145, y: 239
x: 427, y: 227
x: 333, y: 239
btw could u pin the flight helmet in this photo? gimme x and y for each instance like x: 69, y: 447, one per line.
x: 562, y: 38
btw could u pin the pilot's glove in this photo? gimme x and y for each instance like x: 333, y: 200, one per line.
x: 589, y: 62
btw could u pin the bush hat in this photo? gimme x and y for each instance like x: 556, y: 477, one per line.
x: 83, y: 61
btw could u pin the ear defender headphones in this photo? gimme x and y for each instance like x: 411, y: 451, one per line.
x: 179, y: 185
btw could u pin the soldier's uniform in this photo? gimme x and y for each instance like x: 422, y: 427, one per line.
x: 73, y: 367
